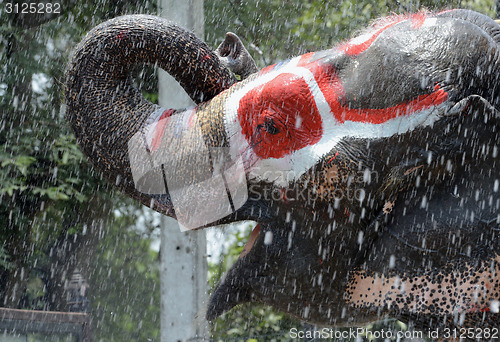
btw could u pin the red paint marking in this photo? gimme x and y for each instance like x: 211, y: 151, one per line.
x: 417, y: 20
x: 332, y: 90
x: 304, y: 59
x: 346, y: 212
x: 283, y: 195
x: 160, y: 129
x: 352, y: 48
x: 287, y: 102
x: 121, y: 35
x: 287, y: 99
x: 205, y: 57
x: 476, y: 308
x: 355, y: 47
x: 336, y: 154
x: 266, y: 69
x: 378, y: 116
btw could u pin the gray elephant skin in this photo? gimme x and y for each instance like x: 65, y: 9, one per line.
x: 370, y: 168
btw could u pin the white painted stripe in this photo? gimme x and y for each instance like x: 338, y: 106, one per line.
x: 181, y: 123
x: 429, y: 22
x: 289, y: 168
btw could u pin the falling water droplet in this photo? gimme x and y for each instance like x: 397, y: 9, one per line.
x: 495, y: 306
x: 392, y: 261
x: 268, y: 238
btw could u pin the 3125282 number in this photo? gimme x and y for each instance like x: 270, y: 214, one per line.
x: 470, y: 333
x: 32, y: 7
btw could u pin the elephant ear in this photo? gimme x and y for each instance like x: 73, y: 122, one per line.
x: 451, y: 196
x: 448, y: 217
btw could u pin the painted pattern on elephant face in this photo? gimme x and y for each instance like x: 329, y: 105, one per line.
x: 287, y: 118
x: 294, y: 113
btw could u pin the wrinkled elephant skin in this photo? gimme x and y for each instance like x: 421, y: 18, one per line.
x: 370, y: 168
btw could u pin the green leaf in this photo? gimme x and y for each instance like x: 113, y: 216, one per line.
x: 56, y: 194
x: 23, y: 163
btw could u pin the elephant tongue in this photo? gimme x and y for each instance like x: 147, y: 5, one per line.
x: 251, y: 240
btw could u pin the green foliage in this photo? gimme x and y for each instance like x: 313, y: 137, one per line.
x: 125, y: 287
x: 48, y: 189
x: 40, y: 164
x: 4, y: 259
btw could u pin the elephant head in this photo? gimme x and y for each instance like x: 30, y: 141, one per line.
x: 370, y: 168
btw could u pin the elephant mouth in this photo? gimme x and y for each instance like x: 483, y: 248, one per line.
x: 235, y: 286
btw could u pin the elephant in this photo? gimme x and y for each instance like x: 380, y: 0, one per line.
x: 368, y: 167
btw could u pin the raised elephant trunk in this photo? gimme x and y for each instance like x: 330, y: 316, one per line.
x: 103, y: 106
x: 371, y: 167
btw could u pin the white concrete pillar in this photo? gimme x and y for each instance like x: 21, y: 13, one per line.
x: 183, y: 266
x: 188, y: 14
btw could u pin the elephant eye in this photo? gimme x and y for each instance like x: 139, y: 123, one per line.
x: 270, y: 127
